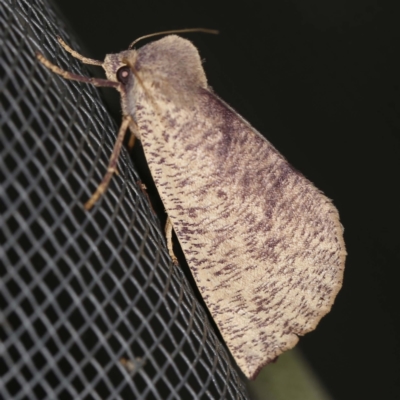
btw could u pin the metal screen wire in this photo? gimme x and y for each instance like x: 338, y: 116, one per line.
x: 91, y: 305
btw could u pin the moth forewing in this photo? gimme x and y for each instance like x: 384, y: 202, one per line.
x: 264, y: 245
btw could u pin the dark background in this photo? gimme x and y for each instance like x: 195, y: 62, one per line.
x: 321, y: 80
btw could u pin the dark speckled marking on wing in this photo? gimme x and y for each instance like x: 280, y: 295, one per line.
x: 264, y: 245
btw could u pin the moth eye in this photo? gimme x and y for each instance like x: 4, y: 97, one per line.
x: 123, y: 75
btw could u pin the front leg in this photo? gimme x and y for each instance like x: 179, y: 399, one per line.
x: 112, y: 165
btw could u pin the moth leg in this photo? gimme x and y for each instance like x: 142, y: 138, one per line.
x: 75, y: 54
x: 134, y: 130
x: 168, y: 235
x: 132, y: 139
x: 112, y: 165
x: 143, y: 188
x: 75, y: 77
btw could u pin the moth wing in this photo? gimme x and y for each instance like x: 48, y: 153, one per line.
x: 264, y: 245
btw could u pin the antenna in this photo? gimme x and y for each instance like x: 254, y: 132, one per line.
x: 204, y: 30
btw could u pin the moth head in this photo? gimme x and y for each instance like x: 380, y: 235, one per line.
x: 168, y: 68
x: 171, y: 59
x: 119, y: 67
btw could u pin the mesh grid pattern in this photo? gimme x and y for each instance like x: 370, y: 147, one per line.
x: 91, y: 306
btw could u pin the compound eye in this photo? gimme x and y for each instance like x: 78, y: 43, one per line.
x: 123, y: 75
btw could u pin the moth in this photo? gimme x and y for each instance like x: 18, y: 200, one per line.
x: 264, y: 245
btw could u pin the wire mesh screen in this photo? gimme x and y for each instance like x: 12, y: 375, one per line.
x: 91, y: 305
